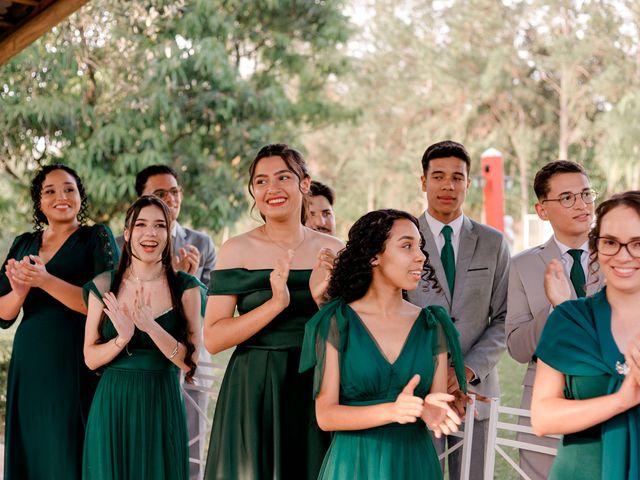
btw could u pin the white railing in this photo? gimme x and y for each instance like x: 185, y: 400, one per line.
x: 466, y: 443
x: 495, y: 441
x: 208, y: 372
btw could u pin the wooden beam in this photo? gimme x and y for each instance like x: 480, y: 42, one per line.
x: 37, y: 26
x: 32, y: 3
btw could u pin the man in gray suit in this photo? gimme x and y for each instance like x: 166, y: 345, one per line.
x: 471, y: 261
x: 195, y: 254
x: 566, y: 201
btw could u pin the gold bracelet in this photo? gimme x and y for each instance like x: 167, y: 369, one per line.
x: 115, y: 342
x: 174, y: 352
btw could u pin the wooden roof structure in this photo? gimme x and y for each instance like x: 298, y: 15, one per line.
x: 24, y: 21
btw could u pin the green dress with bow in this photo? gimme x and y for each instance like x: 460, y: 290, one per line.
x: 577, y: 341
x: 393, y: 451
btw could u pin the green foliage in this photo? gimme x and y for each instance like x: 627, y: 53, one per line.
x: 198, y: 84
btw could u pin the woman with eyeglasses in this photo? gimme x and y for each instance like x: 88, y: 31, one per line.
x: 587, y: 385
x: 49, y: 389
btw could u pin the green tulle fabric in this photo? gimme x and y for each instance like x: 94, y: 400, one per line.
x: 330, y: 324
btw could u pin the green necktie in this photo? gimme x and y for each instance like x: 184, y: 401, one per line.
x: 448, y: 258
x: 577, y: 274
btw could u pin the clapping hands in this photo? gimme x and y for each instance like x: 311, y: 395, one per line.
x: 120, y: 316
x: 188, y: 260
x: 324, y: 268
x: 26, y: 273
x: 278, y: 279
x: 434, y: 409
x: 556, y: 283
x: 125, y: 319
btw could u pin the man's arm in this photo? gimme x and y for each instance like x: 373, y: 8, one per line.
x: 483, y: 356
x: 208, y: 261
x: 523, y: 327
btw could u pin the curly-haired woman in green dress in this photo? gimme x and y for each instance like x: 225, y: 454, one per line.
x: 381, y: 362
x: 143, y: 326
x: 49, y: 389
x: 587, y: 385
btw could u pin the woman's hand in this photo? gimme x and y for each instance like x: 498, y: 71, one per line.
x: 142, y: 315
x: 407, y: 407
x: 324, y: 268
x: 556, y: 283
x: 278, y: 280
x: 629, y: 392
x: 440, y: 418
x: 17, y: 279
x: 120, y: 317
x: 34, y: 270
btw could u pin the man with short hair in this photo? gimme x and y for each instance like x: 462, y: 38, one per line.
x: 194, y: 253
x: 320, y: 215
x: 471, y: 262
x: 566, y: 201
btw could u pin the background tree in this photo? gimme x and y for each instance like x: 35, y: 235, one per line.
x: 199, y: 84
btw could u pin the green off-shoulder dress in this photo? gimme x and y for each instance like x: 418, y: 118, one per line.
x: 49, y: 389
x: 577, y: 341
x: 264, y: 426
x: 137, y: 425
x: 393, y: 451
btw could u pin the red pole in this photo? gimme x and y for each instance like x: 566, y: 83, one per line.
x: 492, y: 167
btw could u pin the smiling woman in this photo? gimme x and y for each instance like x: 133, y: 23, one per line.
x: 143, y: 325
x: 43, y: 275
x: 264, y: 424
x: 587, y: 384
x: 380, y: 361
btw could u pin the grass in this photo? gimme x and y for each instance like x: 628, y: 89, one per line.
x: 511, y: 374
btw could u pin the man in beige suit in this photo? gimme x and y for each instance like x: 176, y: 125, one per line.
x: 566, y: 201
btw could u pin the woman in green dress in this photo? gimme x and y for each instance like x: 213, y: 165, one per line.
x: 264, y: 425
x: 49, y: 388
x: 380, y: 361
x: 587, y: 385
x: 142, y: 327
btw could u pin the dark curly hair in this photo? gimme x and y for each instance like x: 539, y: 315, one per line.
x: 294, y: 161
x: 629, y: 199
x: 39, y: 218
x: 172, y: 277
x: 353, y: 272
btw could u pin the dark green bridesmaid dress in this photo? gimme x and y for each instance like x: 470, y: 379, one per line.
x: 577, y: 341
x: 49, y: 389
x: 264, y: 425
x: 388, y: 452
x: 137, y: 425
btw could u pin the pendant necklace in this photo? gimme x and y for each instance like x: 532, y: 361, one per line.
x: 304, y: 236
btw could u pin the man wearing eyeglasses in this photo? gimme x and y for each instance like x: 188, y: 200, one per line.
x: 566, y: 201
x: 195, y: 254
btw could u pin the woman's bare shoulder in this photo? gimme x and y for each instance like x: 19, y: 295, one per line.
x: 235, y: 250
x: 322, y: 240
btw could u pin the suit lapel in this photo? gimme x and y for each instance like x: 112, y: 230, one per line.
x: 550, y: 250
x: 466, y: 249
x: 434, y: 257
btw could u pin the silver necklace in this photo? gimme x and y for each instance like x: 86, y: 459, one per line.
x: 145, y: 280
x: 304, y: 236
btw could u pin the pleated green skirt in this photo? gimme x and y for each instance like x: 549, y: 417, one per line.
x: 137, y: 425
x: 390, y: 452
